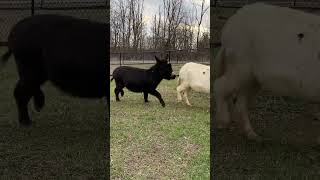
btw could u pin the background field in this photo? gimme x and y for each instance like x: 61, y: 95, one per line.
x: 152, y: 142
x: 67, y: 139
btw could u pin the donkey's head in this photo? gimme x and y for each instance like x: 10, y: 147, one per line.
x: 164, y: 68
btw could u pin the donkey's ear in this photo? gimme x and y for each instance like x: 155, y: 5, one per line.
x: 157, y: 59
x: 167, y: 57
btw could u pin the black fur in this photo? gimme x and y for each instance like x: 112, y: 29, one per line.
x: 142, y: 80
x: 71, y: 53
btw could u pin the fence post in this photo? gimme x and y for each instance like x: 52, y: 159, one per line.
x: 120, y: 58
x: 169, y: 56
x: 32, y: 7
x: 177, y: 58
x: 143, y: 57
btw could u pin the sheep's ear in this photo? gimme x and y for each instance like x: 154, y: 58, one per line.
x: 157, y: 59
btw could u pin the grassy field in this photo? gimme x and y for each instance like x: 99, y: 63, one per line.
x: 152, y: 142
x: 67, y: 139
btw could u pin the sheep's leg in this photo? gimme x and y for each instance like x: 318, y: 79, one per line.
x: 180, y: 90
x: 222, y: 91
x: 244, y: 122
x: 186, y: 96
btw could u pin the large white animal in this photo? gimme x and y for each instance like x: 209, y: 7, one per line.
x: 193, y: 76
x: 270, y: 47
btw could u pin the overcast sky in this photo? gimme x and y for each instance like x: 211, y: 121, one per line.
x: 152, y: 6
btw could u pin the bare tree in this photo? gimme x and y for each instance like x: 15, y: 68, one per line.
x: 200, y: 18
x: 174, y: 17
x: 115, y: 29
x: 136, y: 16
x: 184, y: 35
x: 127, y: 23
x: 174, y: 26
x: 204, y: 41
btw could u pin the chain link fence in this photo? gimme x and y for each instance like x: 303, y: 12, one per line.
x: 12, y: 11
x: 147, y: 56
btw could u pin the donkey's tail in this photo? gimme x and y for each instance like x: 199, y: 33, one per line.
x: 4, y: 59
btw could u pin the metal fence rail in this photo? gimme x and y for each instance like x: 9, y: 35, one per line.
x: 12, y: 11
x: 147, y: 56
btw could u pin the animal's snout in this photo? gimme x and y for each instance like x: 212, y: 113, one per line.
x: 173, y: 76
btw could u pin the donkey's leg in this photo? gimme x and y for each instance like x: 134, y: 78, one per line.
x: 145, y: 95
x: 38, y: 99
x: 121, y: 92
x: 118, y: 89
x: 116, y: 92
x: 23, y: 93
x: 158, y: 95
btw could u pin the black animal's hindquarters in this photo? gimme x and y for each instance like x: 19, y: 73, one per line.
x: 59, y: 49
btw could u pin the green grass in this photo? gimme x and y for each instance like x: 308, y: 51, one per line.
x: 66, y: 141
x: 290, y: 151
x: 152, y: 142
